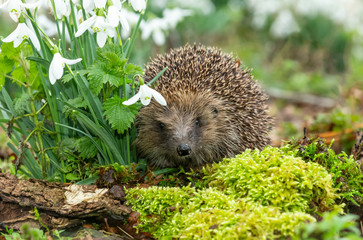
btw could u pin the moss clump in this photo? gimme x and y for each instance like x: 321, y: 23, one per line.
x: 256, y: 195
x: 347, y: 174
x: 274, y: 177
x: 209, y: 214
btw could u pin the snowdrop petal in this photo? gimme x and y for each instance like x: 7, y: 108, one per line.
x: 33, y: 38
x: 158, y: 97
x: 13, y: 35
x: 3, y: 4
x: 85, y: 25
x: 113, y: 16
x: 138, y: 5
x: 57, y: 67
x: 100, y: 3
x: 117, y: 4
x: 51, y: 76
x: 30, y: 5
x: 158, y: 37
x: 101, y: 38
x: 71, y: 61
x: 88, y: 5
x: 132, y: 100
x: 17, y: 41
x: 14, y: 9
x: 123, y: 20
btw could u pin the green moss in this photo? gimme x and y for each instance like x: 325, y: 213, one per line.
x: 209, y: 213
x: 256, y: 195
x: 274, y: 177
x: 347, y: 174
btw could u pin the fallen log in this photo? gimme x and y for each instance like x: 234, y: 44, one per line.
x: 59, y: 205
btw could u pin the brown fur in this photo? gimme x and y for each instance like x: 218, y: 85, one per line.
x: 213, y: 105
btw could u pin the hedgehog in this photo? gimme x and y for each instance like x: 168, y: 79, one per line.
x: 215, y: 109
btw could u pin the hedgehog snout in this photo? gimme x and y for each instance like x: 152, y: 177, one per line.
x: 183, y: 149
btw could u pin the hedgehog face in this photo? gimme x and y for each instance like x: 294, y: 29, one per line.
x: 182, y: 133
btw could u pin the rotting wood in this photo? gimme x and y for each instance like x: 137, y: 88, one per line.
x: 59, y: 205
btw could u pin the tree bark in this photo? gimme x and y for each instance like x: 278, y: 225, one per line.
x: 59, y: 205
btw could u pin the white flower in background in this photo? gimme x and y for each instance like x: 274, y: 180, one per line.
x: 15, y: 7
x: 57, y: 65
x: 63, y: 8
x: 88, y: 5
x: 175, y: 15
x: 98, y: 25
x: 100, y: 3
x: 145, y: 94
x: 21, y: 33
x: 138, y: 5
x: 154, y: 27
x: 284, y: 24
x: 115, y: 15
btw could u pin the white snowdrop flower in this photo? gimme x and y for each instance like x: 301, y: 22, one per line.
x: 132, y: 19
x: 88, y: 5
x: 100, y: 3
x: 284, y: 24
x: 174, y: 16
x: 98, y: 25
x: 15, y: 7
x: 48, y: 26
x: 154, y: 27
x: 115, y: 15
x: 21, y: 33
x: 57, y: 65
x: 138, y: 5
x: 145, y: 94
x: 63, y: 8
x: 117, y: 3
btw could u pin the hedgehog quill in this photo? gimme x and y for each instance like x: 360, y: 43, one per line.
x: 215, y: 109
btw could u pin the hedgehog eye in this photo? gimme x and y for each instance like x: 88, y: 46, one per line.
x: 161, y: 126
x: 197, y: 122
x: 215, y: 111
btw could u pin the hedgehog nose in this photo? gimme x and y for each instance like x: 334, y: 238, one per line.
x: 183, y: 150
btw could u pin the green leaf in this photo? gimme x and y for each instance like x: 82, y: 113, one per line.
x: 21, y: 104
x: 42, y: 61
x: 68, y: 77
x: 110, y: 68
x: 133, y: 69
x: 85, y: 147
x: 72, y: 177
x: 77, y: 102
x: 120, y: 116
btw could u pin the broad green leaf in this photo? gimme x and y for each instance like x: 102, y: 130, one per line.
x: 120, y: 116
x: 133, y: 69
x: 85, y: 147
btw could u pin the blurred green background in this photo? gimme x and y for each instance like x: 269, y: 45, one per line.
x: 307, y: 54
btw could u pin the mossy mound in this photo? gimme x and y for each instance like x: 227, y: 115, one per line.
x: 275, y: 177
x: 189, y: 213
x: 256, y: 195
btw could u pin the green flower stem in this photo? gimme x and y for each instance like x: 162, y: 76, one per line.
x: 39, y: 135
x: 76, y: 40
x: 32, y: 114
x: 63, y: 41
x: 52, y: 102
x: 56, y: 23
x: 133, y: 36
x: 127, y: 131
